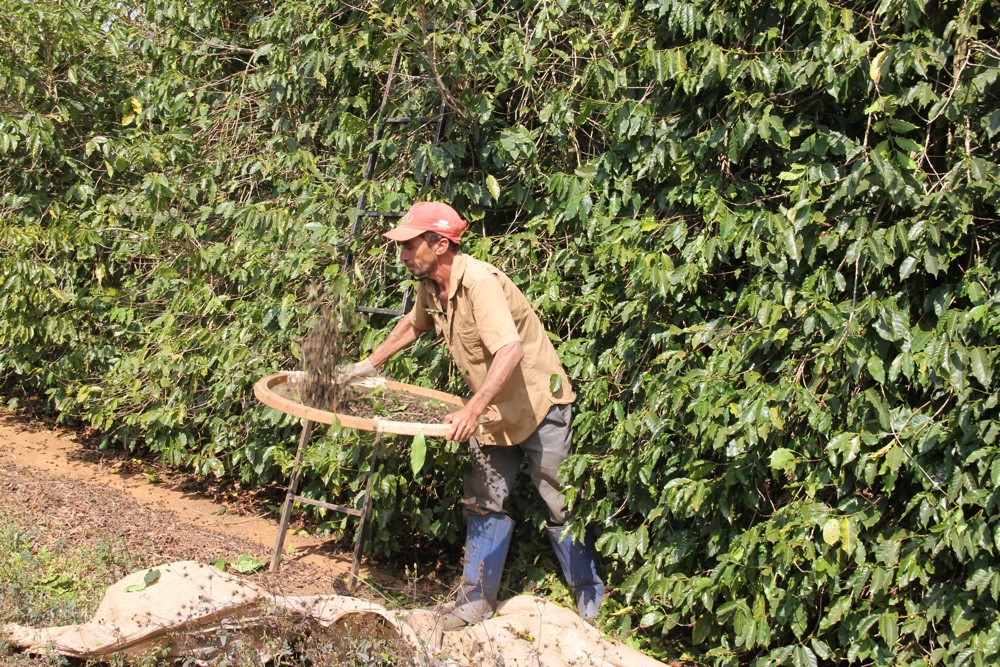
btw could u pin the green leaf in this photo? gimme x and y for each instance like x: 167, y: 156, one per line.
x: 555, y: 383
x: 493, y: 187
x: 908, y: 145
x: 982, y: 370
x: 651, y: 618
x: 418, y: 453
x: 992, y: 124
x: 702, y: 629
x: 894, y: 458
x: 962, y: 621
x: 979, y: 580
x: 901, y: 126
x: 247, y: 564
x: 888, y: 627
x: 932, y: 262
x: 848, y: 444
x: 847, y: 535
x: 792, y: 244
x: 888, y: 552
x: 804, y: 657
x: 876, y: 368
x: 783, y: 459
x: 262, y: 51
x: 831, y: 531
x: 821, y: 648
x: 891, y: 325
x: 148, y: 579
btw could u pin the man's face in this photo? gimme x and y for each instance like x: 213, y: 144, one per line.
x: 418, y: 255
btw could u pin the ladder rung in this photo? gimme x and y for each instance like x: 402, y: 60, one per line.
x: 379, y: 311
x: 403, y: 120
x: 329, y: 506
x: 379, y: 214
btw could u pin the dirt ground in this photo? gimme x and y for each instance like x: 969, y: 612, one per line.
x: 67, y: 492
x: 81, y: 496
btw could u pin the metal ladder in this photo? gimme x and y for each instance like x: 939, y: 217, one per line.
x: 361, y: 214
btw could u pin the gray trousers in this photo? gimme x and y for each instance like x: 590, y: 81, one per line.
x: 493, y: 469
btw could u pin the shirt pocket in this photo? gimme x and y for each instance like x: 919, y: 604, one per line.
x: 472, y: 344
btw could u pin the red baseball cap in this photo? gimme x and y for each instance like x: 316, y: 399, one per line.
x: 429, y: 216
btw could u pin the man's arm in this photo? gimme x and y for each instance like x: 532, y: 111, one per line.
x: 400, y: 338
x: 465, y: 421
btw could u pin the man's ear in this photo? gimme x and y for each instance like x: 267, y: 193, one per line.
x: 441, y: 246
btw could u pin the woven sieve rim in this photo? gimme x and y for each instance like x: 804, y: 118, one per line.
x: 264, y: 390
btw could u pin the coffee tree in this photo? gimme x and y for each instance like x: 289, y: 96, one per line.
x: 765, y: 236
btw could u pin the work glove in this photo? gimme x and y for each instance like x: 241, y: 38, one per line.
x: 360, y: 369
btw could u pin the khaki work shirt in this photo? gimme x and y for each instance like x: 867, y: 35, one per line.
x: 484, y: 312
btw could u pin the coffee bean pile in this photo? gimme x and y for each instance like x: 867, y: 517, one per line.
x: 388, y: 405
x: 398, y: 406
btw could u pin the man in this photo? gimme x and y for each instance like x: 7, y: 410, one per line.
x: 503, y: 352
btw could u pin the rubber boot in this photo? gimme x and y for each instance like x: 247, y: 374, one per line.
x: 487, y: 538
x: 579, y: 565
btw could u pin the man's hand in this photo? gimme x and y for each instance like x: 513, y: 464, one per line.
x: 360, y: 369
x: 463, y: 423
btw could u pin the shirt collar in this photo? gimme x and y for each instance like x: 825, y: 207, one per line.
x: 457, y: 273
x: 454, y: 280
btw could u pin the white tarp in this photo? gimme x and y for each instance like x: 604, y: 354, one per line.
x: 196, y: 610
